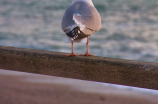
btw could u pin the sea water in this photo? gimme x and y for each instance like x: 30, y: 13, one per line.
x: 129, y: 29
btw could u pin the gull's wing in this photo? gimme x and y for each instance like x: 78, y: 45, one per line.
x: 83, y: 15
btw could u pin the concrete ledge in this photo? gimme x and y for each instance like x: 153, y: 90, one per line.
x: 102, y: 69
x: 28, y: 88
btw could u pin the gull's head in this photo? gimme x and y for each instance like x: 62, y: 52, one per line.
x: 81, y: 0
x: 90, y: 1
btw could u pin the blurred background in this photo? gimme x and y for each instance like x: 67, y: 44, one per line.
x: 129, y: 27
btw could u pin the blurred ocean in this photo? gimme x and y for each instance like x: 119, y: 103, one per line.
x: 129, y: 27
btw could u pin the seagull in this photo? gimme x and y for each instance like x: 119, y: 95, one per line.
x: 80, y: 20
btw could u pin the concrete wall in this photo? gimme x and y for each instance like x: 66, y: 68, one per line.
x: 27, y: 88
x: 102, y: 69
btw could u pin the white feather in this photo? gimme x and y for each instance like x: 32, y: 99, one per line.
x: 69, y: 40
x: 78, y: 23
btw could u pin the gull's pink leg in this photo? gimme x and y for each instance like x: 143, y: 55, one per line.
x: 87, y: 52
x: 72, y: 52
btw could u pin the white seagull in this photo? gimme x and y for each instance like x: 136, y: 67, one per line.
x: 80, y: 20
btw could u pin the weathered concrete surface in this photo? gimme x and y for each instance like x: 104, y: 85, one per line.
x: 125, y: 72
x: 25, y: 88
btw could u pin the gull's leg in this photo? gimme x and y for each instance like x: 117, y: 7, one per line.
x: 72, y: 52
x: 87, y: 52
